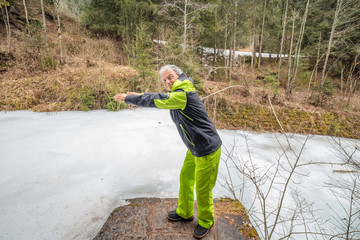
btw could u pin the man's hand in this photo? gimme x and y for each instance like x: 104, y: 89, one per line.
x: 122, y: 96
x: 133, y: 93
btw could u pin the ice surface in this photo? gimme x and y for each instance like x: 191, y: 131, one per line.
x: 61, y: 174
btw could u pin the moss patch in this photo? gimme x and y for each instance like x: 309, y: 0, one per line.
x: 230, y: 206
x: 262, y: 119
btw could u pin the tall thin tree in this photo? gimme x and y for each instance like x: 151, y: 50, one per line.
x: 330, y: 44
x: 282, y: 38
x: 27, y: 18
x: 57, y: 6
x: 189, y: 10
x: 44, y: 25
x: 262, y: 33
x: 290, y: 53
x: 298, y: 47
x: 3, y: 5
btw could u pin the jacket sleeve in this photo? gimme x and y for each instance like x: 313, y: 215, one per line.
x: 173, y: 100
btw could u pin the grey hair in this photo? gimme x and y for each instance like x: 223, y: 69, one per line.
x: 176, y: 69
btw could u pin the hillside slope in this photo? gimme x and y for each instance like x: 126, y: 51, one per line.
x: 34, y: 79
x: 95, y: 69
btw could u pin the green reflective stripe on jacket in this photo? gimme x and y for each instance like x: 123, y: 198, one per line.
x: 186, y: 85
x: 176, y: 100
x: 186, y: 116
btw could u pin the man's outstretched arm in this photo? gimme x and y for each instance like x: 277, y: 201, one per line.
x: 173, y: 100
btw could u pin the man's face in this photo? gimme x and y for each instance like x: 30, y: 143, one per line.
x: 168, y: 78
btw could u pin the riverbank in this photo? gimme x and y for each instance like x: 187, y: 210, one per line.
x: 258, y: 110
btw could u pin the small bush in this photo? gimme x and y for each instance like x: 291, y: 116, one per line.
x: 87, y: 98
x: 115, y: 106
x: 48, y: 63
x: 272, y: 82
x: 329, y: 87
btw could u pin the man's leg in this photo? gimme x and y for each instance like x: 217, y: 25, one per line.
x: 205, y: 178
x: 185, y: 207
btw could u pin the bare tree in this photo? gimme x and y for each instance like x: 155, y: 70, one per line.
x: 44, y: 26
x: 57, y: 6
x: 233, y: 59
x: 272, y: 218
x: 348, y: 196
x: 353, y: 75
x: 330, y: 44
x: 262, y: 33
x: 27, y: 18
x: 283, y: 37
x: 290, y: 54
x: 253, y: 35
x: 298, y: 49
x: 315, y: 70
x: 227, y: 71
x: 189, y: 11
x: 3, y: 5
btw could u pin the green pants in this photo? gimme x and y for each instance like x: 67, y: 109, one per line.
x: 202, y: 172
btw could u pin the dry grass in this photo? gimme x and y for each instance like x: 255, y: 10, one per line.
x: 91, y: 75
x: 247, y: 107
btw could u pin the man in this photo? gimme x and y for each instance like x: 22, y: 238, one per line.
x: 200, y: 137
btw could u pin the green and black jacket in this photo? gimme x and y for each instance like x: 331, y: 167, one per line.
x: 188, y: 113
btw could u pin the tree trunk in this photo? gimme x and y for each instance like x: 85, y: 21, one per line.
x: 282, y: 38
x: 253, y: 40
x: 234, y: 39
x: 290, y: 56
x: 334, y: 25
x: 44, y: 26
x: 7, y: 25
x: 341, y: 84
x: 253, y: 45
x: 316, y: 65
x: 27, y: 18
x: 298, y: 46
x: 59, y: 31
x: 185, y: 27
x: 225, y: 42
x: 352, y: 80
x: 262, y: 34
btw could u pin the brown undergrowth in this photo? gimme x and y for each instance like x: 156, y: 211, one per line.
x: 248, y: 108
x: 33, y: 79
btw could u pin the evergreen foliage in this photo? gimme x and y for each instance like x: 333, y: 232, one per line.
x: 142, y: 59
x: 229, y: 24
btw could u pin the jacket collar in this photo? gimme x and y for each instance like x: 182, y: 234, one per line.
x: 182, y: 77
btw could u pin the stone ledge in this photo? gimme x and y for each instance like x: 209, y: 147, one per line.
x: 146, y: 218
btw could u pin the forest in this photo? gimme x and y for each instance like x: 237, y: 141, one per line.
x: 288, y: 67
x: 311, y: 75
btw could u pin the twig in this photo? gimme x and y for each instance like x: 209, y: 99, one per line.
x: 221, y: 91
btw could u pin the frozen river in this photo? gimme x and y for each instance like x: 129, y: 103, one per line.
x: 61, y: 174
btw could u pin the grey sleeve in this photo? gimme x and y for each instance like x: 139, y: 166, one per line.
x: 145, y: 100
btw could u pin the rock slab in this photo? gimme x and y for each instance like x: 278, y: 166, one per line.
x: 146, y: 218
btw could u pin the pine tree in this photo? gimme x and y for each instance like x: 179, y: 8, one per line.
x: 143, y: 61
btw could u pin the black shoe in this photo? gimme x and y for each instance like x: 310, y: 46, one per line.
x: 172, y: 216
x: 200, y: 232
